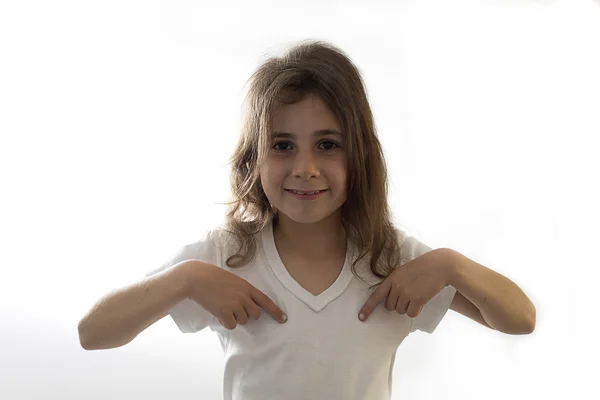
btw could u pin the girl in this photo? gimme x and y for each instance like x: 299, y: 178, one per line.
x: 309, y: 239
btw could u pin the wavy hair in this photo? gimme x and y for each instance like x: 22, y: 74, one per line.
x: 314, y: 67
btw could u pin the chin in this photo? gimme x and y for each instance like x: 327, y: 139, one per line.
x: 304, y: 219
x: 300, y: 217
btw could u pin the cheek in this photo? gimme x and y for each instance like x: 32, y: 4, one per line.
x: 271, y: 176
x: 341, y: 174
x: 266, y: 181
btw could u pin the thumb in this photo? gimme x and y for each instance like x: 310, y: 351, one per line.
x: 377, y: 297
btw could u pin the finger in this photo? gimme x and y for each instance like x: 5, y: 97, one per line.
x: 414, y: 309
x: 228, y: 321
x: 240, y: 316
x: 376, y: 297
x: 393, y: 298
x: 252, y: 310
x: 401, y: 306
x: 268, y: 305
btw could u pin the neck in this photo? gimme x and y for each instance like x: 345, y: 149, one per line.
x: 322, y: 240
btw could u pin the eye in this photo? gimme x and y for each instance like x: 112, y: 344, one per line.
x: 275, y: 146
x: 329, y: 145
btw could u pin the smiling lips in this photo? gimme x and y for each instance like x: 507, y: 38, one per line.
x: 305, y: 192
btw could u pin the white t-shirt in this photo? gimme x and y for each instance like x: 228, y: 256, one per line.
x: 323, y: 351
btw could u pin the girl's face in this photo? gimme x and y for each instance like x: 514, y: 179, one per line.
x: 306, y: 154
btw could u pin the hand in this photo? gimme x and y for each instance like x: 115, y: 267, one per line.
x: 231, y: 299
x: 410, y: 286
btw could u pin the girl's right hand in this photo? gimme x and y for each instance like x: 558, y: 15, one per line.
x: 231, y: 299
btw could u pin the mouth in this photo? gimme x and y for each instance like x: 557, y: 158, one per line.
x: 306, y: 192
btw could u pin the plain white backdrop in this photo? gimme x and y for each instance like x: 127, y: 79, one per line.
x: 117, y: 119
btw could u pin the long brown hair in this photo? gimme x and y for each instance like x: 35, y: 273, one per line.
x: 314, y: 67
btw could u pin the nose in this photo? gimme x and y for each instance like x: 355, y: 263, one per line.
x: 305, y: 166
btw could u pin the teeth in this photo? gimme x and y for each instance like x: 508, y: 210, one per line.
x: 313, y: 192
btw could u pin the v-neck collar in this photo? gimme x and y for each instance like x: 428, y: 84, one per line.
x: 318, y: 302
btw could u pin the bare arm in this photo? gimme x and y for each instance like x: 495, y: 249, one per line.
x: 122, y: 314
x: 502, y: 304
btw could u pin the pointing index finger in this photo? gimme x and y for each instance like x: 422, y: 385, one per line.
x: 268, y: 305
x: 377, y: 297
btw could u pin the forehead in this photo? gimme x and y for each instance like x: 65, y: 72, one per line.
x: 307, y: 116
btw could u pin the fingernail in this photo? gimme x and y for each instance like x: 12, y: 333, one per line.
x: 284, y: 318
x: 361, y: 316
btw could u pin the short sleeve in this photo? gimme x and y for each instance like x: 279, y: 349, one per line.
x: 434, y: 311
x: 189, y: 316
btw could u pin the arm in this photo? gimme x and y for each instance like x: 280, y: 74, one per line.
x: 502, y: 304
x: 463, y: 306
x: 121, y: 315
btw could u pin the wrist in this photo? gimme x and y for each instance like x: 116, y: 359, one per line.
x: 453, y: 266
x: 182, y: 276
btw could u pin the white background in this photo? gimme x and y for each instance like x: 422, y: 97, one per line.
x: 117, y: 119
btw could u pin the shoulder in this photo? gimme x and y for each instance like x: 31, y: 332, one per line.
x: 217, y: 236
x: 410, y: 241
x: 210, y: 238
x: 205, y: 246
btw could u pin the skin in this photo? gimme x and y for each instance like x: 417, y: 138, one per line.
x: 312, y: 230
x: 307, y: 160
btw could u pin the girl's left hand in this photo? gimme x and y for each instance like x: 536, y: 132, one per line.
x: 409, y: 287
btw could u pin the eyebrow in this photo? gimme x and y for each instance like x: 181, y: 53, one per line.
x: 317, y: 133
